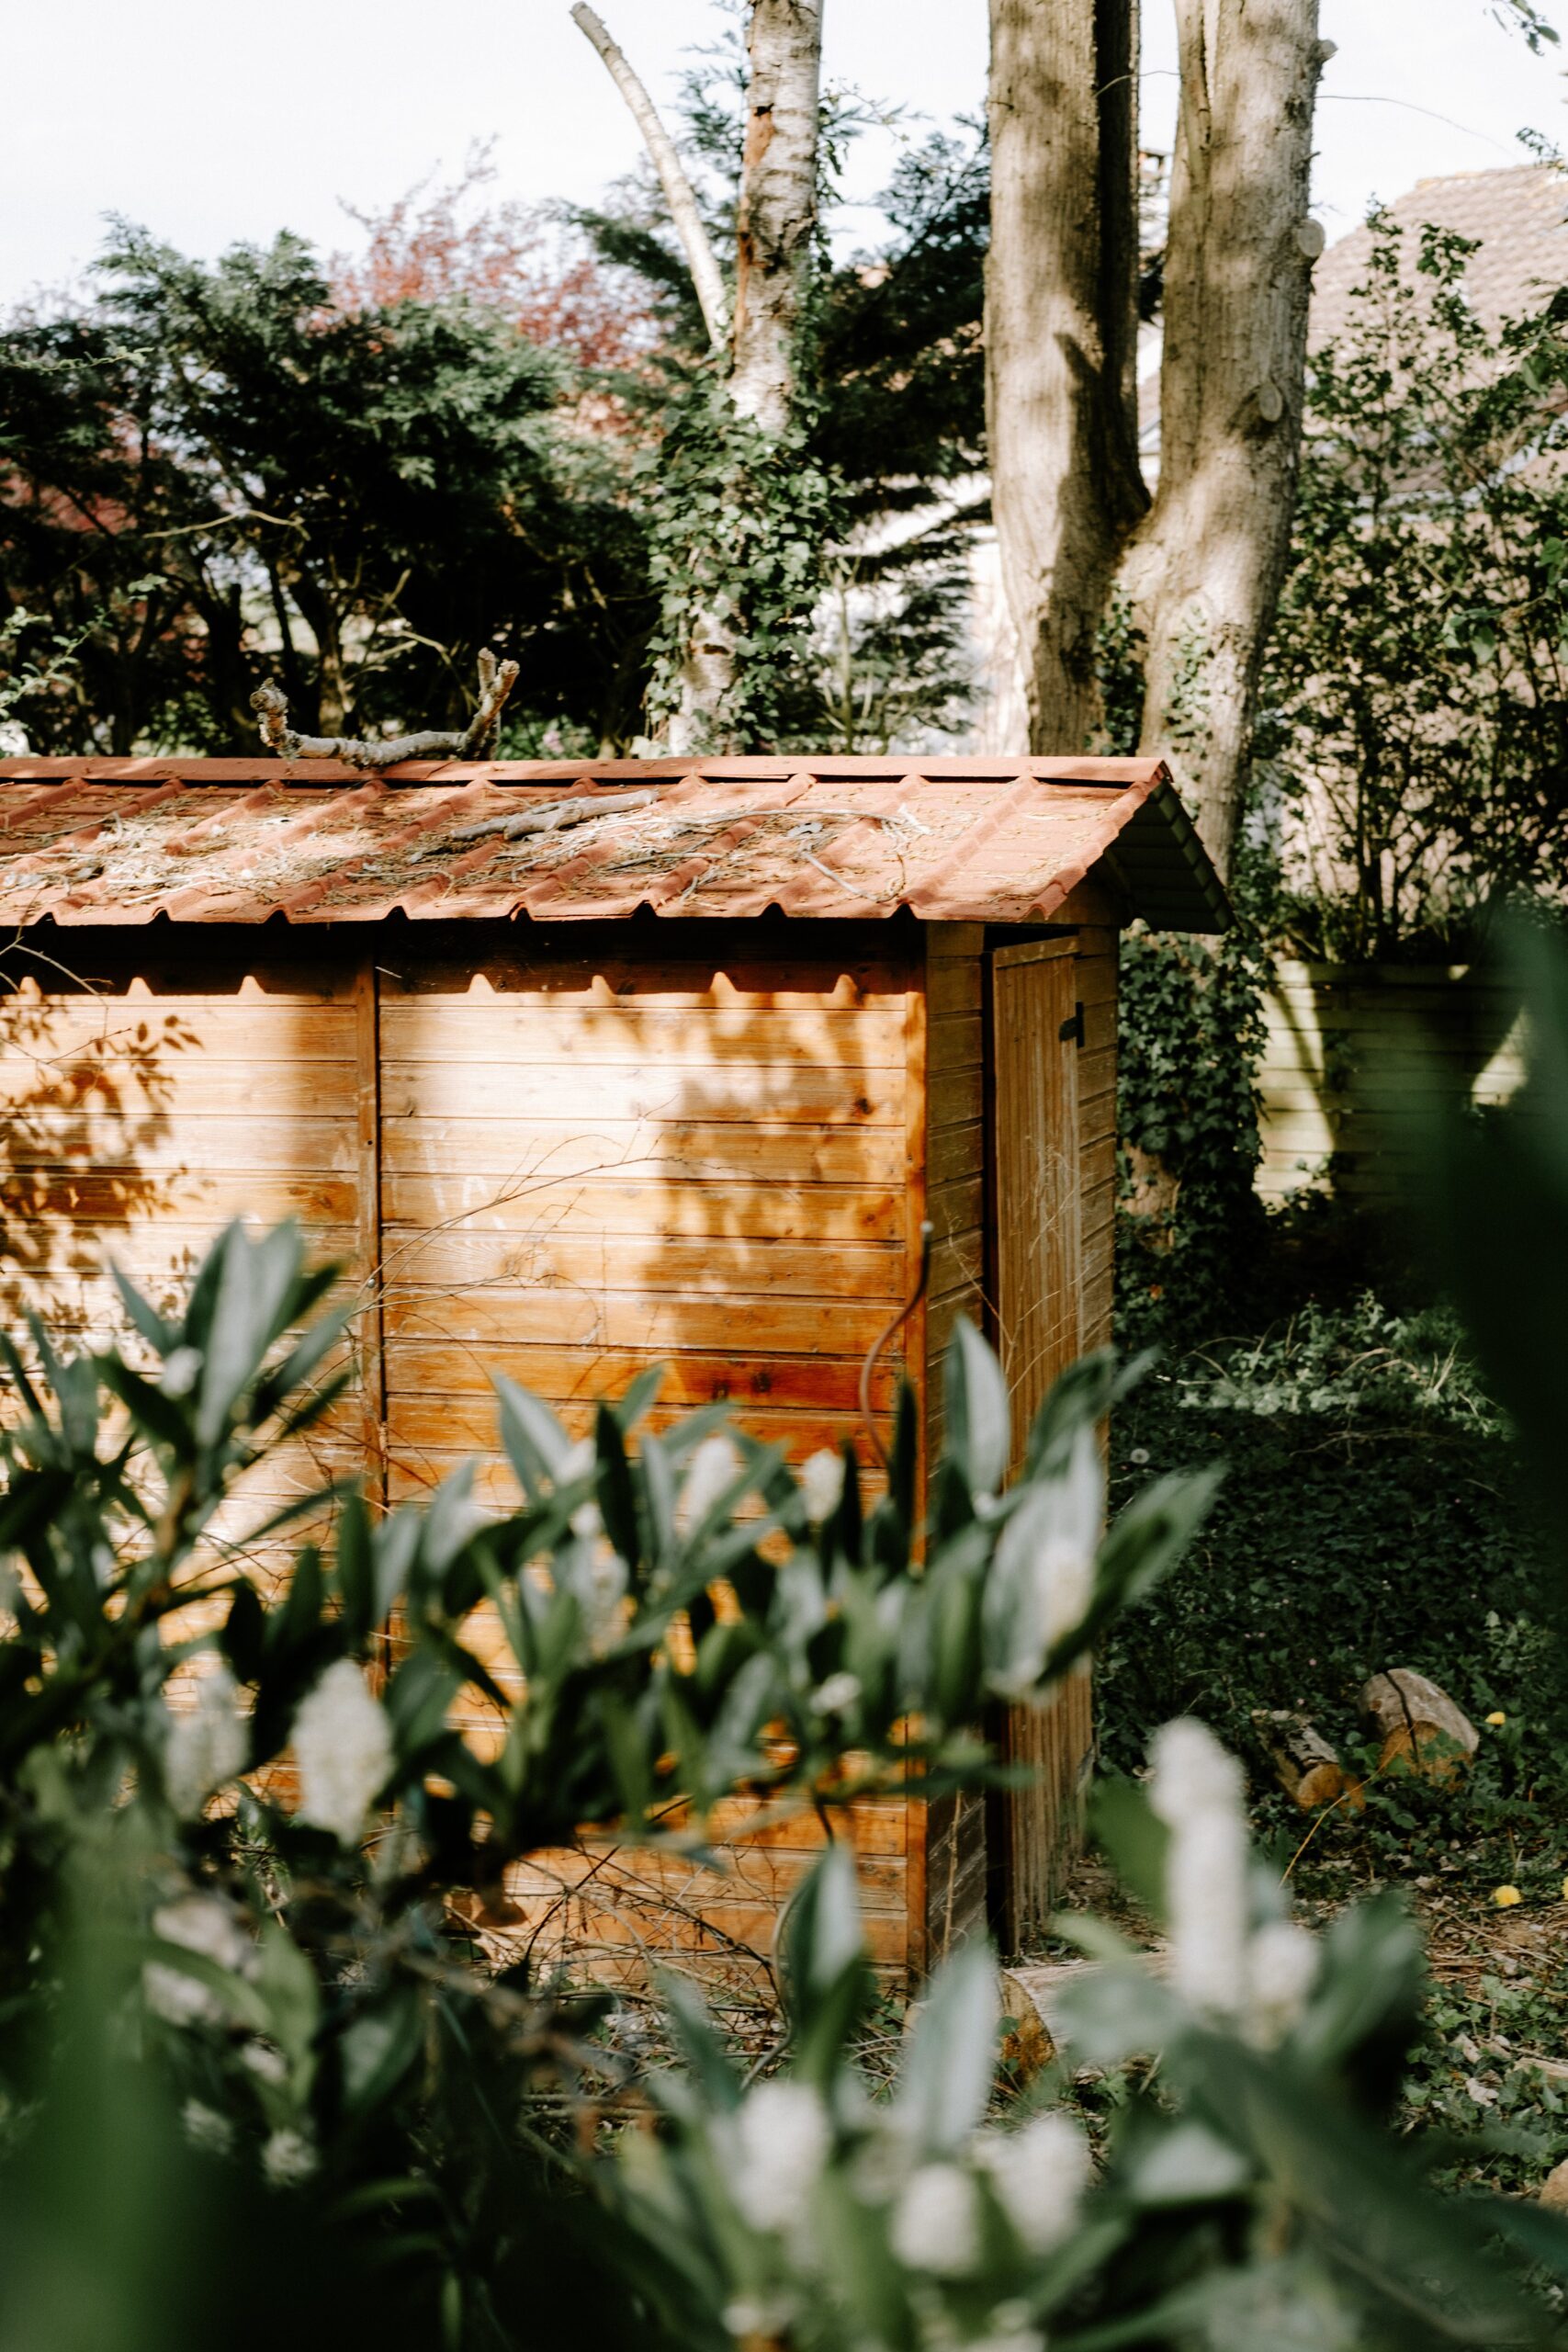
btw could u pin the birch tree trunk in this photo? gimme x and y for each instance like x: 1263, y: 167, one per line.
x: 1205, y: 568
x: 777, y: 216
x: 1061, y: 336
x: 776, y: 220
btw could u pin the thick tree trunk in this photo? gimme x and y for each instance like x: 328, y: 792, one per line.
x: 1205, y: 568
x: 1061, y: 336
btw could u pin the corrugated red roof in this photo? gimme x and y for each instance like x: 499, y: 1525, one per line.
x: 239, y: 841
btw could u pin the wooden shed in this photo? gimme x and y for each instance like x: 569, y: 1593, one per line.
x: 582, y: 1065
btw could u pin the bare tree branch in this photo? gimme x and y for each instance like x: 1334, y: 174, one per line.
x: 476, y: 741
x: 679, y: 194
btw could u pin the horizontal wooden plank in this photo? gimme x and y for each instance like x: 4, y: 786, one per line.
x: 956, y: 1206
x: 162, y: 1029
x: 810, y: 1094
x: 678, y: 1152
x: 171, y: 1084
x: 499, y: 1029
x: 565, y: 1374
x: 152, y: 1251
x: 1098, y: 1024
x: 108, y: 1196
x: 1096, y: 1206
x: 955, y: 1153
x: 953, y: 1098
x: 736, y: 1874
x: 955, y: 1041
x: 430, y: 1437
x: 638, y: 1201
x: 947, y: 940
x: 638, y: 1936
x: 1096, y: 1073
x: 954, y: 987
x: 1096, y: 1162
x: 794, y: 979
x: 957, y: 1260
x: 697, y: 1265
x: 304, y: 1144
x: 769, y: 1326
x: 1095, y: 979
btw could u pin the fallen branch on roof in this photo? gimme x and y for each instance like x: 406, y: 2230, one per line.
x: 553, y: 818
x: 475, y: 741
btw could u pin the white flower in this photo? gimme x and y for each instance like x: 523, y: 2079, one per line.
x: 936, y: 2222
x: 178, y: 1999
x: 601, y: 1590
x: 205, y: 1745
x: 344, y: 1746
x: 1040, y: 2175
x: 822, y: 1484
x: 1281, y: 1965
x: 182, y: 1370
x: 836, y: 1693
x: 1064, y: 1566
x: 268, y: 2065
x: 708, y: 1473
x: 206, y: 2128
x: 1044, y: 1581
x: 198, y: 1923
x: 287, y: 2159
x: 1010, y: 2331
x: 1197, y: 1791
x: 784, y: 2140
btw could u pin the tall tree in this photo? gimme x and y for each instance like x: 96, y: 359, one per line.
x: 1206, y: 565
x: 754, y: 332
x: 1061, y: 335
x: 1204, y: 562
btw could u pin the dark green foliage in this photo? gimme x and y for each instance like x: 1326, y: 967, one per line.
x: 1369, y: 1518
x: 1416, y: 698
x: 213, y: 476
x: 1190, y: 1040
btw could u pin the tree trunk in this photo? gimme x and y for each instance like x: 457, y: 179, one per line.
x: 775, y: 222
x: 1061, y: 336
x: 777, y: 215
x: 1205, y: 568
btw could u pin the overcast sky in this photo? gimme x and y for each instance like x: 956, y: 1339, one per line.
x: 210, y: 121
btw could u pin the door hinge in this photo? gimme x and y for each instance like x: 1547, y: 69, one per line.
x: 1071, y: 1032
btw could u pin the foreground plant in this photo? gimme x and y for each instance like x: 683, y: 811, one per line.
x: 1248, y: 2193
x: 275, y: 1859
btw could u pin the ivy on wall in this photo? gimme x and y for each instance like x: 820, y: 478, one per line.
x: 1191, y: 1041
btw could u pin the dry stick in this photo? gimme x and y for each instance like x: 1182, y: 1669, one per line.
x: 869, y: 1366
x: 475, y: 741
x: 679, y: 194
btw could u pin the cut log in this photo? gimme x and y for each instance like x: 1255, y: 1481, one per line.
x: 1422, y: 1729
x: 1554, y: 2190
x: 1028, y: 2044
x: 1307, y: 1766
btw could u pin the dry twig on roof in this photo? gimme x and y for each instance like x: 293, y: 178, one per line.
x: 476, y: 741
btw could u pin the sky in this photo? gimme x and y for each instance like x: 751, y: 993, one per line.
x: 208, y: 122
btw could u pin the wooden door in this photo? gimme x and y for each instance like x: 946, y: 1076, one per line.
x: 1037, y: 1290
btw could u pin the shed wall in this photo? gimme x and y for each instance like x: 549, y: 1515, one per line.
x: 558, y: 1155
